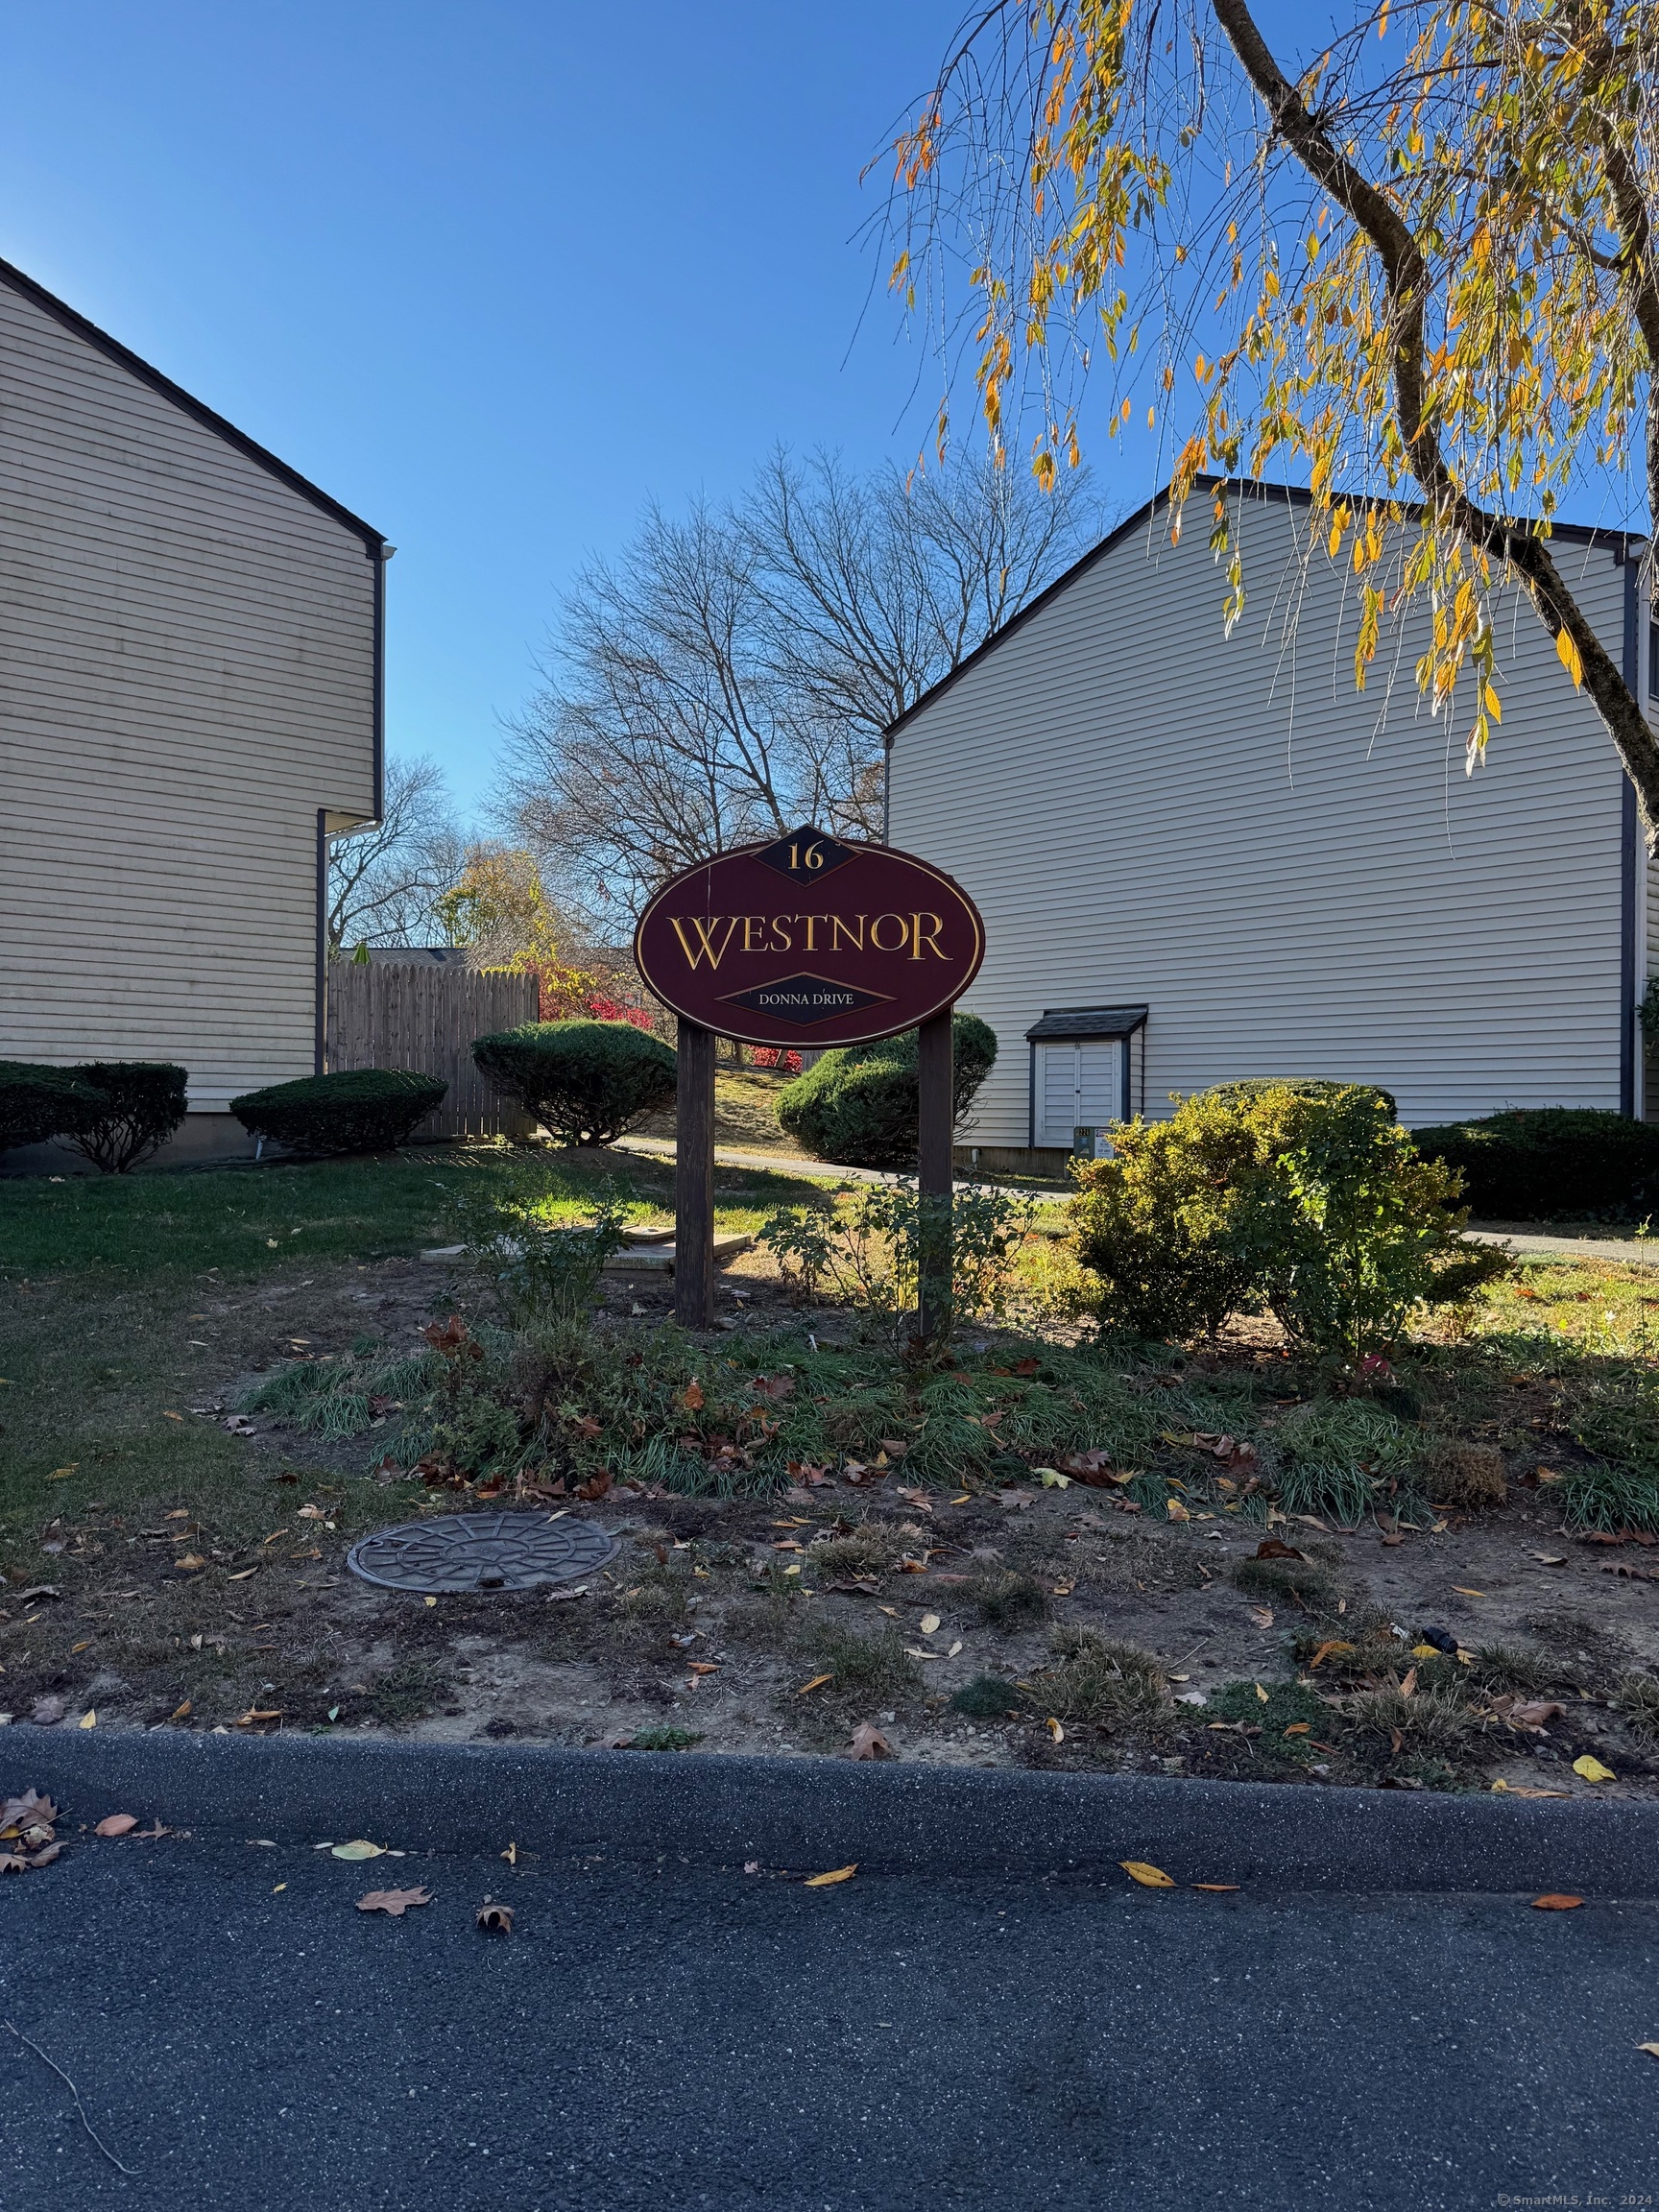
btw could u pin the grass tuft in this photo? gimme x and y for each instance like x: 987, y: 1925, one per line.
x: 987, y: 1698
x: 1100, y: 1680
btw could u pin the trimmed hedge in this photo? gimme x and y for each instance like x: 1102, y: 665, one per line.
x: 1543, y: 1163
x: 585, y: 1082
x: 144, y: 1104
x: 858, y: 1104
x: 359, y: 1110
x: 38, y: 1102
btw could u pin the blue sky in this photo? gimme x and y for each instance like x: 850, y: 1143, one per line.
x: 491, y: 274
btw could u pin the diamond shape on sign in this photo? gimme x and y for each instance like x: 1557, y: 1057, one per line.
x: 806, y: 856
x: 804, y: 998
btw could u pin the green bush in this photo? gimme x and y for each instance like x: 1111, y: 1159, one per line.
x: 858, y: 1105
x: 145, y: 1103
x: 585, y: 1082
x: 1306, y: 1198
x: 360, y: 1110
x: 38, y: 1103
x: 1541, y: 1163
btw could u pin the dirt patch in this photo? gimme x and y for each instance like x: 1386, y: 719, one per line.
x: 1003, y: 1623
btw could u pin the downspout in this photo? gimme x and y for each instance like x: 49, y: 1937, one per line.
x: 1628, y: 846
x: 320, y: 1047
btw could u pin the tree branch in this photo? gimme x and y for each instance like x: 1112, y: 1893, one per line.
x: 1406, y: 284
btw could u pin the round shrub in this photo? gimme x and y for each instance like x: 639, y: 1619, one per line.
x: 144, y: 1104
x: 1539, y: 1163
x: 585, y: 1082
x: 858, y: 1105
x: 359, y: 1110
x: 38, y: 1102
x: 1308, y: 1199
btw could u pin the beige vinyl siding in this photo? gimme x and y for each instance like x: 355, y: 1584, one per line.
x: 188, y: 674
x: 1296, y: 878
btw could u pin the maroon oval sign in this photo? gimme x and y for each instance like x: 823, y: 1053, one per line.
x: 809, y: 940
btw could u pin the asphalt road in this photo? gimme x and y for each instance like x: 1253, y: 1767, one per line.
x: 675, y: 2036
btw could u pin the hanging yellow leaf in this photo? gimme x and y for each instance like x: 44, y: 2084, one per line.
x: 1567, y: 653
x: 1593, y: 1770
x: 836, y: 1874
x: 1148, y: 1877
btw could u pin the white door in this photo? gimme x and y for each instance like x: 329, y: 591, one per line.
x: 1079, y: 1086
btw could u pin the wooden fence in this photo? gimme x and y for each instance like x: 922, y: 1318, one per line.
x: 425, y: 1017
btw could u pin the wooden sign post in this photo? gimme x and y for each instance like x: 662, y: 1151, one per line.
x: 694, y: 1177
x: 809, y: 940
x: 935, y: 1184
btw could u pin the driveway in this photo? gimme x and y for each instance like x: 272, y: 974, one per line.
x: 988, y: 2013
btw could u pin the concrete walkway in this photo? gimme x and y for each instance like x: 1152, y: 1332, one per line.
x: 1633, y: 1251
x: 825, y: 1170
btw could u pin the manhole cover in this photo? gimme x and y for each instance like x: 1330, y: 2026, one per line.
x: 481, y: 1551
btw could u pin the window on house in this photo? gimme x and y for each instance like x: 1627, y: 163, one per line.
x: 1080, y: 1068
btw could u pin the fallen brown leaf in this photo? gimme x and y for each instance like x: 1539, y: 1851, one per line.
x: 46, y: 1712
x: 117, y: 1824
x: 869, y: 1743
x: 1219, y: 1888
x: 397, y: 1902
x: 1555, y: 1900
x: 1332, y: 1644
x: 1537, y: 1713
x: 817, y: 1683
x: 30, y: 1816
x: 1272, y: 1549
x: 1148, y: 1877
x: 835, y: 1874
x: 497, y: 1919
x: 1262, y: 1616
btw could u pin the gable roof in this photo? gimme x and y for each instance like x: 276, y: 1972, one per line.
x: 113, y: 349
x: 1620, y: 543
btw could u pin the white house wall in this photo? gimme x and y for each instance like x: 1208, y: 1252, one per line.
x: 1297, y: 880
x: 186, y: 676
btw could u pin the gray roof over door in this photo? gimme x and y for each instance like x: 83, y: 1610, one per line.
x: 1088, y: 1021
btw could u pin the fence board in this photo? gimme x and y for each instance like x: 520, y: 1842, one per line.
x: 389, y: 1015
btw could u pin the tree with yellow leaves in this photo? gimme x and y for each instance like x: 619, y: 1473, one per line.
x: 1415, y: 271
x: 499, y: 910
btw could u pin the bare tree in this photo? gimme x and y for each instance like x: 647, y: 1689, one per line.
x: 384, y: 882
x: 730, y: 675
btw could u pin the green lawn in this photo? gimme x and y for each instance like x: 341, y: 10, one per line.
x: 126, y: 1297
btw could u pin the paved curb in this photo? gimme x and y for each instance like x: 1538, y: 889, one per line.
x: 820, y: 1813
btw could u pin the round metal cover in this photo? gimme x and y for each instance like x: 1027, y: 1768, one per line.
x: 481, y: 1551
